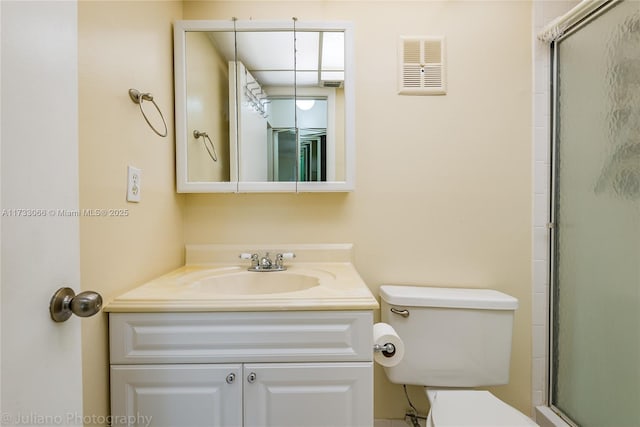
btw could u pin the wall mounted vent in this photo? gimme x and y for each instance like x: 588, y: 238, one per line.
x: 422, y: 66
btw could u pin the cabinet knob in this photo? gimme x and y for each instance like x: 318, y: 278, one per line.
x: 231, y: 378
x: 252, y: 377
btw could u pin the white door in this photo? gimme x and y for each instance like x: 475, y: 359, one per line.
x: 176, y: 395
x: 41, y: 375
x: 308, y: 394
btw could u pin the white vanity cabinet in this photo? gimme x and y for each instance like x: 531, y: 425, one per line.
x: 309, y: 394
x: 176, y: 395
x: 278, y: 369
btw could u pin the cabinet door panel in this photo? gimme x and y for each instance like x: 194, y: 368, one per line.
x: 176, y: 395
x: 309, y: 394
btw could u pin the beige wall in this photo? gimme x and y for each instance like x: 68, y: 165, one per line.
x: 123, y: 45
x: 443, y: 183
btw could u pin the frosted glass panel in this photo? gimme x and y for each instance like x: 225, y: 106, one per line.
x: 596, y: 345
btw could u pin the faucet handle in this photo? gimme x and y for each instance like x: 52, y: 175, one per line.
x: 287, y: 255
x: 252, y: 257
x: 283, y: 256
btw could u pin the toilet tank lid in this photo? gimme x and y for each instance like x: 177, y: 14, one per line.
x: 422, y: 296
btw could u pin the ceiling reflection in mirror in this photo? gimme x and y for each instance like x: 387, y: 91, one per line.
x: 271, y: 115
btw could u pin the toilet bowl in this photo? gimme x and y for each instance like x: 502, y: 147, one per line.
x: 467, y: 408
x: 454, y: 340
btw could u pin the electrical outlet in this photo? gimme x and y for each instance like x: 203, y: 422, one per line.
x: 134, y: 188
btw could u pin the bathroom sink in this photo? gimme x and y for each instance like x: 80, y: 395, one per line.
x: 254, y: 283
x: 214, y: 279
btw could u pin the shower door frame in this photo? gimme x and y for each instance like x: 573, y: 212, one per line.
x: 553, y: 180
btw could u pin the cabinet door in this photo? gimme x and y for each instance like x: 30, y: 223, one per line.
x: 308, y: 394
x: 176, y: 395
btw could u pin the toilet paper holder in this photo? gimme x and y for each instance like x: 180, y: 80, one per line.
x: 387, y: 349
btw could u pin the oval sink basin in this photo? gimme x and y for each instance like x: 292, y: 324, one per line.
x: 255, y: 283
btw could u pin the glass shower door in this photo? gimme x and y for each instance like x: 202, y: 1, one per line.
x: 595, y: 354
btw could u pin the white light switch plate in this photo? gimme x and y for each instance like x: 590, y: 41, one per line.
x: 134, y: 188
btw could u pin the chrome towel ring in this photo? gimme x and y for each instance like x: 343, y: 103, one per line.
x: 138, y: 97
x: 211, y: 149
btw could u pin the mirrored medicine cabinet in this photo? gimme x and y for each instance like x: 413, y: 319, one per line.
x: 264, y: 106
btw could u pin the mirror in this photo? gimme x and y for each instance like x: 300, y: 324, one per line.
x: 252, y: 116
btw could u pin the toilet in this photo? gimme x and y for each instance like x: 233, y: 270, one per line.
x: 454, y: 340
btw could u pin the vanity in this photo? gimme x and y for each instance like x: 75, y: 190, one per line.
x: 212, y: 344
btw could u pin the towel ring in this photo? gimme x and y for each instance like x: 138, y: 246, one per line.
x: 211, y: 149
x: 138, y: 97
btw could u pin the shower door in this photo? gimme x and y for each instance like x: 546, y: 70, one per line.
x: 595, y: 336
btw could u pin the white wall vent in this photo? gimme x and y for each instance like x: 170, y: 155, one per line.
x: 422, y: 66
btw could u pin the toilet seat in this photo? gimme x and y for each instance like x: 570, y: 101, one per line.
x: 467, y: 408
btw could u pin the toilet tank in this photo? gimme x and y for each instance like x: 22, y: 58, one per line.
x: 452, y: 337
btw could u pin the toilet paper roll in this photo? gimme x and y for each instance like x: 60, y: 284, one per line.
x: 383, y: 333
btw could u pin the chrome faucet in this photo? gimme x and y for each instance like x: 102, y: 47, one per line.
x: 265, y: 263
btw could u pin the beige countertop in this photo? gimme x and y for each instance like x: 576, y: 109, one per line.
x: 230, y: 287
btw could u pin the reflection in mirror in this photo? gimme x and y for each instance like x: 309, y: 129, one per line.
x: 268, y: 84
x: 312, y: 139
x: 276, y: 123
x: 262, y: 70
x: 207, y: 103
